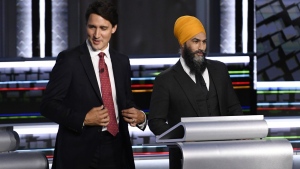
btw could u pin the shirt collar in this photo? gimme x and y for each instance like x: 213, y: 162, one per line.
x: 186, y: 68
x: 94, y: 53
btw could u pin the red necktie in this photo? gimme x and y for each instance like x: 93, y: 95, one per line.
x: 112, y: 127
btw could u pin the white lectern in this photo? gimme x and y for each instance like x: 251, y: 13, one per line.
x: 228, y: 142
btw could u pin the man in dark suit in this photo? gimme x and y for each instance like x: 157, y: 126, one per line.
x: 193, y: 87
x: 89, y: 135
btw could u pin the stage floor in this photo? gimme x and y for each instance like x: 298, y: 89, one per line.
x: 162, y: 162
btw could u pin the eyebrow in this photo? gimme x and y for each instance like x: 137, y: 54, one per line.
x: 199, y: 39
x: 101, y: 26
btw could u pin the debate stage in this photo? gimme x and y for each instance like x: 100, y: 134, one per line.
x: 147, y: 153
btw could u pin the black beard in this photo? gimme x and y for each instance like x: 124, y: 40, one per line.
x: 196, y: 66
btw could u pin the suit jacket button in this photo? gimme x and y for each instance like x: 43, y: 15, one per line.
x: 99, y: 130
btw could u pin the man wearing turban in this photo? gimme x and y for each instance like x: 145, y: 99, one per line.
x: 193, y: 87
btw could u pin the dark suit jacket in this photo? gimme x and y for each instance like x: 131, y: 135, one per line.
x: 71, y: 92
x: 173, y: 96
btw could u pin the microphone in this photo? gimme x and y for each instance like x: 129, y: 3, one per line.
x: 101, y: 70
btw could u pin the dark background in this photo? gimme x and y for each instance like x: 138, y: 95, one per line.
x: 145, y: 29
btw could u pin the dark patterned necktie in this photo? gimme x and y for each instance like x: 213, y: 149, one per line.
x: 200, y: 82
x: 106, y: 91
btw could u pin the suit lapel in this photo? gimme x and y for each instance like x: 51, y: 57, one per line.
x: 216, y: 79
x: 117, y: 68
x: 89, y: 68
x: 186, y: 84
x: 213, y: 75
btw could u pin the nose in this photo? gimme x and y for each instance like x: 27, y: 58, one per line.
x: 202, y: 46
x: 97, y: 33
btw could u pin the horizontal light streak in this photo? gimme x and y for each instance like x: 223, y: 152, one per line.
x: 277, y: 108
x: 37, y: 115
x: 39, y: 150
x: 246, y: 107
x: 279, y: 104
x: 238, y: 71
x: 21, y: 114
x: 46, y: 81
x: 273, y: 122
x: 27, y: 64
x: 45, y: 128
x: 133, y: 79
x: 293, y: 85
x: 134, y: 153
x: 142, y: 91
x: 8, y: 116
x: 20, y: 117
x: 241, y: 87
x: 36, y: 129
x: 153, y: 61
x: 236, y: 85
x: 150, y: 153
x: 142, y: 85
x: 283, y: 122
x: 151, y: 85
x: 240, y: 83
x: 149, y: 146
x: 142, y: 78
x: 278, y: 92
x: 153, y: 78
x: 22, y: 88
x: 295, y: 141
x: 133, y: 61
x: 286, y: 137
x: 238, y: 76
x: 24, y: 82
x: 43, y: 88
x: 231, y: 59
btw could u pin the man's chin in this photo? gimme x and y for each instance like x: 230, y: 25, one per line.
x: 96, y: 47
x: 198, y: 58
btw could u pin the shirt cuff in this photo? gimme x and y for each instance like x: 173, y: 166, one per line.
x: 142, y: 125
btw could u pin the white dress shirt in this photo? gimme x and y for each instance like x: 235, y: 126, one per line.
x: 95, y: 59
x: 192, y: 76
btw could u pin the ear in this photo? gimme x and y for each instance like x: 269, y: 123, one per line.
x: 114, y: 29
x: 182, y: 45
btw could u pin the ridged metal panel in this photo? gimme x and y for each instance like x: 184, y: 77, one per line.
x: 227, y: 24
x: 59, y: 26
x: 24, y: 29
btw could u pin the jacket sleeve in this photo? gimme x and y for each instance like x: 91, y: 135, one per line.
x: 159, y: 107
x: 53, y: 104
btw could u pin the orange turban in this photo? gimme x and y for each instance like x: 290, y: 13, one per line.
x: 187, y: 27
